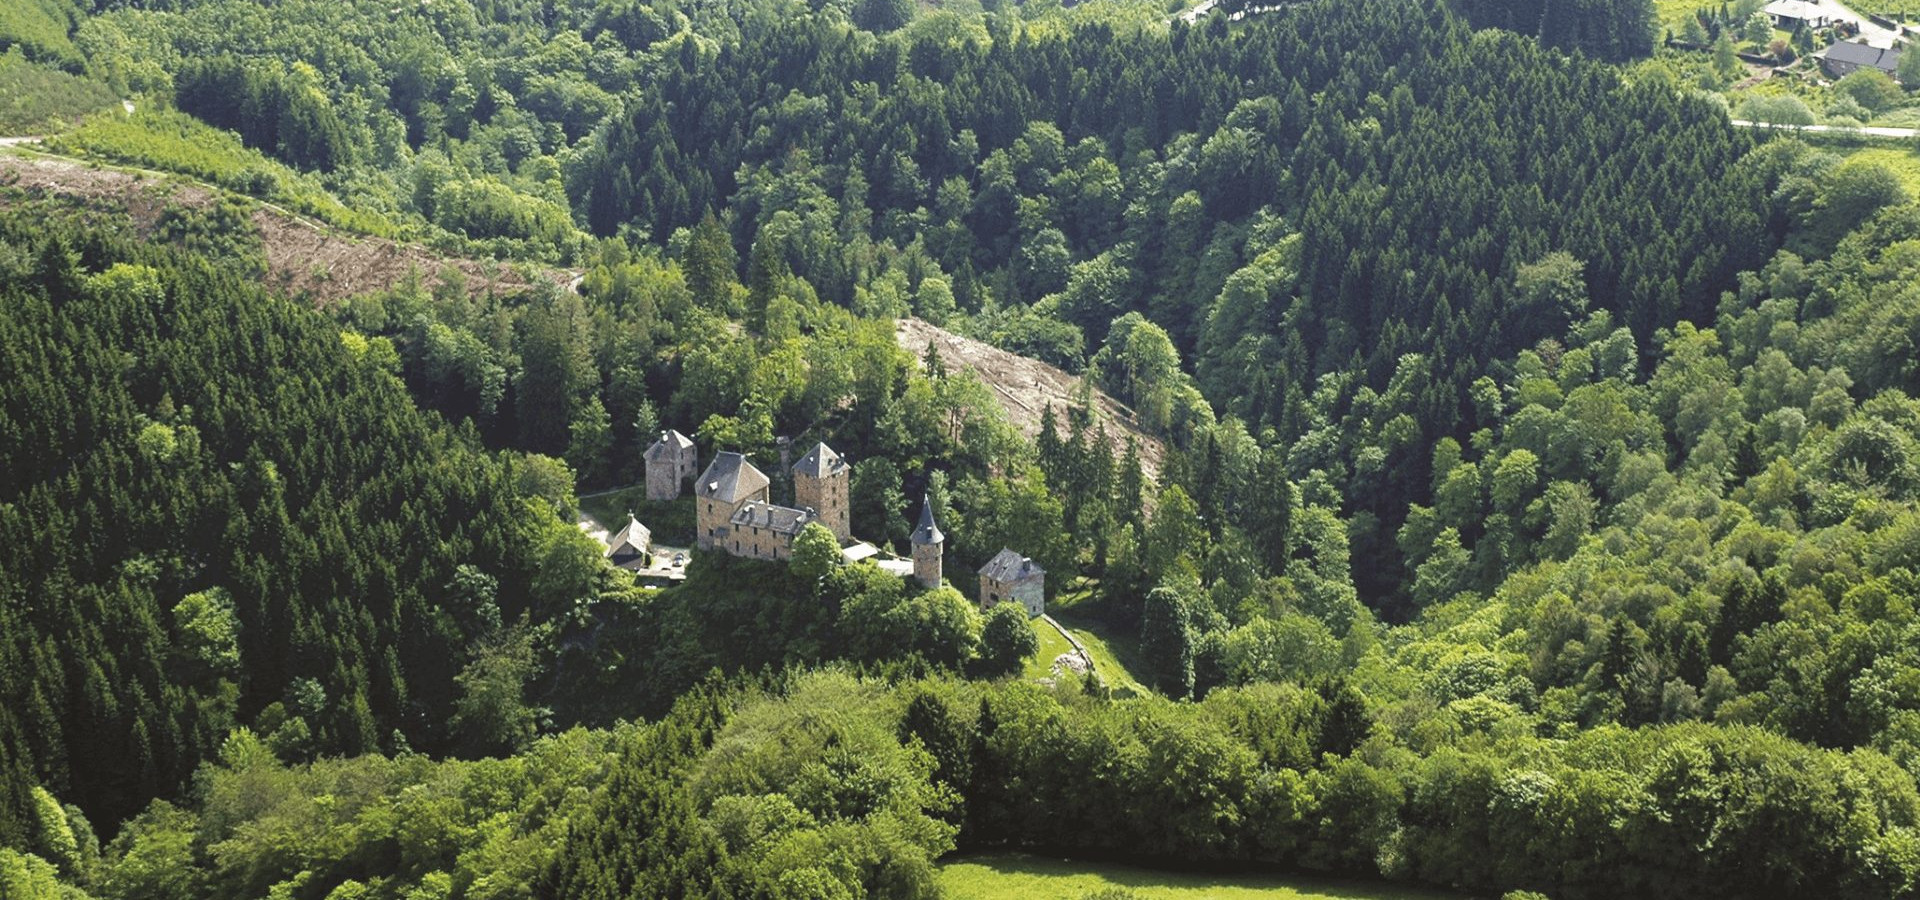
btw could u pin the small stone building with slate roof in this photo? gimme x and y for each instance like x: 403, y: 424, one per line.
x: 729, y: 483
x: 820, y: 483
x: 1847, y: 57
x: 670, y: 462
x: 630, y: 547
x: 1010, y: 576
x: 928, y: 545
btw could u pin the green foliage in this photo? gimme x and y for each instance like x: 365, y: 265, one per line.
x: 29, y: 877
x: 882, y: 15
x: 173, y: 142
x: 35, y: 98
x: 220, y: 544
x: 1871, y: 88
x: 1518, y: 373
x: 1006, y: 640
x: 816, y: 552
x: 1611, y: 31
x: 491, y: 714
x: 41, y: 31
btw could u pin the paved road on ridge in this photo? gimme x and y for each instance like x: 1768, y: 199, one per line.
x: 1867, y: 130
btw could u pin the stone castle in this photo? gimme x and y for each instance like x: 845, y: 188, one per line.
x: 734, y: 513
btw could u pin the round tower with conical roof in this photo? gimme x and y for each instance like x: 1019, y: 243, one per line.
x: 928, y: 546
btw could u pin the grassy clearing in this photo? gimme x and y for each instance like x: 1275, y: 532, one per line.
x: 1671, y: 15
x: 1115, y: 656
x: 1005, y: 876
x: 1052, y: 644
x: 1904, y: 163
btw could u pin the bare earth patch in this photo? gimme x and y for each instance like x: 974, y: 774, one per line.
x: 304, y: 258
x: 1026, y: 386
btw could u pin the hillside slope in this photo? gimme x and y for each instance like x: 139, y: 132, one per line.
x: 1025, y: 387
x: 304, y: 258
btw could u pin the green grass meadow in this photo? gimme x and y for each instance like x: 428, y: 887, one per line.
x: 1021, y: 876
x: 1052, y: 644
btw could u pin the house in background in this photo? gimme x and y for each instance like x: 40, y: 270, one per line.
x: 670, y: 462
x: 1792, y: 15
x: 1010, y: 576
x: 1846, y: 57
x: 630, y: 548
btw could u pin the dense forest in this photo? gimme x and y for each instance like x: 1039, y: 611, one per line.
x: 1538, y: 508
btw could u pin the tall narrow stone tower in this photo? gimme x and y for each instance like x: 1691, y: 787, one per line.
x: 928, y: 544
x: 820, y: 483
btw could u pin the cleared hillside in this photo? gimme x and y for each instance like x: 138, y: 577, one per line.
x: 1025, y: 387
x: 304, y: 258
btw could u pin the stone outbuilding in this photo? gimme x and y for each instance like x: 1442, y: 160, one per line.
x: 821, y: 480
x: 928, y: 545
x: 670, y: 462
x: 729, y: 483
x: 629, y: 548
x: 1010, y: 576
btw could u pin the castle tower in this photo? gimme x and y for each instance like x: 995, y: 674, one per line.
x: 670, y: 462
x: 820, y: 482
x: 928, y: 543
x: 729, y: 483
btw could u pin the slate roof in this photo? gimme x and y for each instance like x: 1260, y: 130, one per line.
x: 1862, y: 55
x: 670, y: 440
x: 819, y: 462
x: 730, y: 479
x: 781, y: 519
x: 1011, y: 566
x: 633, y: 539
x: 928, y: 531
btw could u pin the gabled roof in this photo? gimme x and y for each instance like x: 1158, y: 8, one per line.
x: 1862, y: 55
x: 780, y: 519
x: 928, y: 531
x: 730, y: 479
x: 819, y: 462
x: 670, y: 441
x: 1797, y: 9
x: 1011, y: 566
x: 635, y: 538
